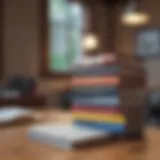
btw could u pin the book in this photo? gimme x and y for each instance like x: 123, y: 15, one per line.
x: 65, y: 136
x: 90, y: 81
x: 96, y: 101
x: 110, y: 127
x: 97, y: 71
x: 102, y: 59
x: 108, y: 118
x: 94, y: 91
x: 97, y: 109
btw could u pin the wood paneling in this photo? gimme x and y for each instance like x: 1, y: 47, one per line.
x: 1, y: 37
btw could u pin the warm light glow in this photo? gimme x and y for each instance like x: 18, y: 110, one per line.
x: 135, y: 19
x: 90, y: 42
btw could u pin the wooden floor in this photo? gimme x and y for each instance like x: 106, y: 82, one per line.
x: 15, y: 145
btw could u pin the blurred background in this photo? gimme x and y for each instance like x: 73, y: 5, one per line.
x: 43, y: 41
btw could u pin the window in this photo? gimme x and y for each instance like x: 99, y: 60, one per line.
x: 64, y: 26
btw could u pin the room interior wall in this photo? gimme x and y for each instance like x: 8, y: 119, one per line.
x: 126, y: 38
x: 22, y: 41
x: 1, y: 38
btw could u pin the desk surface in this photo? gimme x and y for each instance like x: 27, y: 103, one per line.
x: 15, y: 145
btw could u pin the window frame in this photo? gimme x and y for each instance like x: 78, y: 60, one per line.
x: 44, y: 57
x: 44, y: 68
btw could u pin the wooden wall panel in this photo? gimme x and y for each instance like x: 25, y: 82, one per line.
x: 1, y: 38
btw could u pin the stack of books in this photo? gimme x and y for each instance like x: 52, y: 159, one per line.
x: 109, y: 95
x: 96, y: 100
x: 108, y: 99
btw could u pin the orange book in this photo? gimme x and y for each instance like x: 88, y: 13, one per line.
x: 102, y: 80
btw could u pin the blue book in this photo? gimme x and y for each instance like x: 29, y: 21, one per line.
x: 94, y: 91
x: 98, y: 70
x: 100, y: 101
x: 110, y: 127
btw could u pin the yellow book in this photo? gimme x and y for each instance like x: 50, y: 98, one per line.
x: 110, y: 118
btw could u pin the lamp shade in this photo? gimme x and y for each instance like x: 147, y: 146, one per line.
x: 133, y: 16
x: 135, y: 19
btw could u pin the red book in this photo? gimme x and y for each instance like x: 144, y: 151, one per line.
x: 97, y: 109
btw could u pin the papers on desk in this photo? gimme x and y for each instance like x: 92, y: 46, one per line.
x: 9, y: 114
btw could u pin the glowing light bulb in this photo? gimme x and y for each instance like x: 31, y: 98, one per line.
x: 90, y: 42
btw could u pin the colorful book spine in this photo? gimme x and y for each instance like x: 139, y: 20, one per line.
x: 108, y: 127
x: 97, y: 109
x: 97, y: 71
x: 96, y: 102
x: 94, y: 91
x: 96, y: 81
x: 101, y: 101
